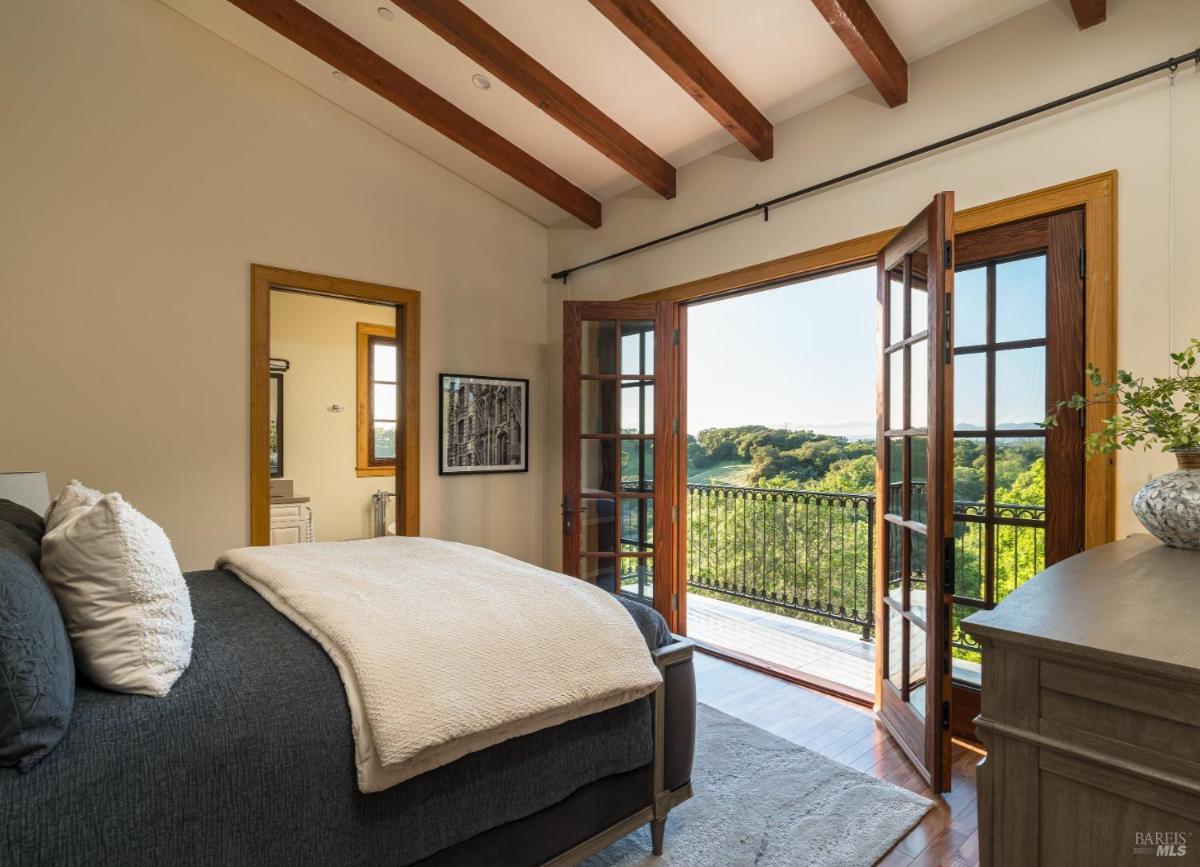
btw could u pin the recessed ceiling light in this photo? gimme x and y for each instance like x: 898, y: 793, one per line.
x: 386, y: 13
x: 481, y: 81
x: 339, y: 75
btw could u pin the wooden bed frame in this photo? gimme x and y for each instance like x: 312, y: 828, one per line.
x: 660, y: 799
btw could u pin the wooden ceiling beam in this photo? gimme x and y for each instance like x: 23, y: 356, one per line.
x: 491, y: 49
x: 1089, y: 12
x: 868, y: 42
x: 664, y: 43
x: 326, y: 42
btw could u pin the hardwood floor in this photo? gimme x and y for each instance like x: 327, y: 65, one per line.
x: 948, y: 835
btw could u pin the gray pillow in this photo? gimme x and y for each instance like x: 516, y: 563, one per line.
x: 26, y: 520
x: 11, y: 537
x: 37, y: 670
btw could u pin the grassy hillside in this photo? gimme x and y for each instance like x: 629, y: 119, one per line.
x: 735, y: 473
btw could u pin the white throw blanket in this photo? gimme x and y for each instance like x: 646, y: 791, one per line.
x: 445, y: 649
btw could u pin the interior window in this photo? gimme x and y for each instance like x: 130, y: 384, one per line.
x: 378, y: 392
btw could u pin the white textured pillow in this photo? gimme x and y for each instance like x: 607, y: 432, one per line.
x: 75, y: 495
x: 122, y: 596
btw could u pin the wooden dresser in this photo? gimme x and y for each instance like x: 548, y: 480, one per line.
x: 1091, y: 712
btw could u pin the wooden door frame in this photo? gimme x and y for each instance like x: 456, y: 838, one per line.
x: 912, y: 729
x: 1095, y: 195
x: 664, y: 317
x: 264, y: 278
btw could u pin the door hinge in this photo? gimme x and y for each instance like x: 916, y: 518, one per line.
x: 675, y: 514
x: 945, y: 716
x: 948, y: 254
x: 948, y: 331
x: 675, y: 425
x: 1082, y: 263
x: 675, y: 337
x: 948, y: 566
x: 674, y: 601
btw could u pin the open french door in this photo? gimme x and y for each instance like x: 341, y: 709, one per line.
x: 914, y: 488
x: 619, y: 449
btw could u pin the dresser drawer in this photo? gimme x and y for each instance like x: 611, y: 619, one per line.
x: 1135, y: 717
x: 290, y: 512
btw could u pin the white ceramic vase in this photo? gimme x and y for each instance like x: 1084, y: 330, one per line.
x: 1169, y: 506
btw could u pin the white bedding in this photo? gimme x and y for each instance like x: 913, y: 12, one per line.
x: 445, y: 649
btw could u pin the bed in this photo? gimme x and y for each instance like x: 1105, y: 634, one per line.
x: 249, y: 760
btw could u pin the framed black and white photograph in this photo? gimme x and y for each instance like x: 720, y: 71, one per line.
x: 484, y: 424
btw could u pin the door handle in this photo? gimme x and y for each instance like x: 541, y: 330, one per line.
x: 569, y: 515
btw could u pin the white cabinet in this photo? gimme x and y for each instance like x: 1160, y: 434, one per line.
x: 289, y: 523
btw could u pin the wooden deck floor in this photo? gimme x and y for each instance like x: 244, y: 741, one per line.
x: 839, y: 656
x: 948, y: 835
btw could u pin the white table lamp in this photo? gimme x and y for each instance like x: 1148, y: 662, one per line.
x: 31, y: 490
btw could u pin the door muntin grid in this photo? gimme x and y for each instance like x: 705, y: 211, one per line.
x: 1001, y: 343
x: 617, y: 428
x: 906, y: 433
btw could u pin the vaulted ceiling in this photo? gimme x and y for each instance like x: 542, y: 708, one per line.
x: 589, y: 99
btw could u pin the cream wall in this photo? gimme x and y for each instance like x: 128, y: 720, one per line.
x: 319, y: 338
x: 1029, y: 59
x: 146, y: 164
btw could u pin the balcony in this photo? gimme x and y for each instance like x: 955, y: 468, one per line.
x: 782, y: 579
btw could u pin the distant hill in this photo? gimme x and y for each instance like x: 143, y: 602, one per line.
x: 760, y: 456
x: 756, y: 456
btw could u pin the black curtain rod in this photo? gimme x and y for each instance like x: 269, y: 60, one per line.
x: 1171, y: 63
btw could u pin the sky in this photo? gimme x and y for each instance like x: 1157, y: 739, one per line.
x: 800, y: 356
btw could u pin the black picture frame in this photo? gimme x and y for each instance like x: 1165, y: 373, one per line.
x: 276, y: 417
x: 459, y: 453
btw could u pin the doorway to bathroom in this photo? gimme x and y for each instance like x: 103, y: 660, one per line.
x: 334, y: 408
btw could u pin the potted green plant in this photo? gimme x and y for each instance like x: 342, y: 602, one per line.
x: 1162, y: 412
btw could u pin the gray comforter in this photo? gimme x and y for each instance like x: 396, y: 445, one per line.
x: 249, y: 760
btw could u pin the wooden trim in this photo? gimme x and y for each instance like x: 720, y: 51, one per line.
x: 868, y: 42
x: 362, y: 432
x: 1089, y: 13
x: 305, y: 28
x: 374, y: 472
x: 783, y: 672
x: 964, y: 707
x: 679, y: 575
x: 260, y: 410
x: 941, y: 527
x: 487, y: 46
x: 408, y: 324
x: 1095, y: 194
x: 1008, y: 240
x: 650, y: 30
x: 666, y: 468
x: 857, y: 251
x: 1065, y: 323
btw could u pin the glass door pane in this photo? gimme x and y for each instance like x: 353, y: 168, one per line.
x: 914, y: 427
x: 1000, y: 451
x: 615, y: 445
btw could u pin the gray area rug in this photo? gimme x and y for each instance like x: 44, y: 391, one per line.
x: 762, y: 800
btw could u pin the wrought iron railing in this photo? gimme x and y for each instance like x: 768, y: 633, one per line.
x: 989, y: 567
x: 813, y: 552
x: 807, y: 551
